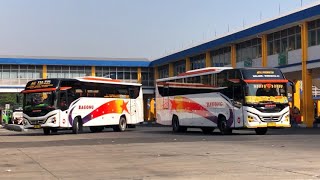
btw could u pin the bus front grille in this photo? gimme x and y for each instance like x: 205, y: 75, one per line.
x: 270, y: 119
x: 36, y: 122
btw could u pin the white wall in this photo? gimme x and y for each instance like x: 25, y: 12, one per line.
x: 294, y: 56
x: 313, y: 53
x: 273, y: 60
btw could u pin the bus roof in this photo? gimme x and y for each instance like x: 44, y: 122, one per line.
x: 105, y: 80
x: 196, y: 72
x: 212, y: 70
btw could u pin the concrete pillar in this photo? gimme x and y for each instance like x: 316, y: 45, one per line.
x: 208, y: 59
x: 156, y: 73
x: 307, y: 101
x: 44, y: 72
x: 264, y: 51
x: 188, y: 68
x: 139, y: 75
x: 93, y: 71
x: 171, y: 70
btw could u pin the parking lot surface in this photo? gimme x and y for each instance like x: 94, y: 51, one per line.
x: 157, y: 153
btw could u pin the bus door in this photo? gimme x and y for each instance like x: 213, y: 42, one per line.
x: 238, y: 99
x: 166, y: 100
x: 63, y: 104
x: 134, y: 114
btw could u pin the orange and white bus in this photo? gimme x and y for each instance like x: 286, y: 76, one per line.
x: 94, y: 102
x: 224, y: 98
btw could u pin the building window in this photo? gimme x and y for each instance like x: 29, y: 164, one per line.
x: 68, y: 71
x: 179, y: 67
x: 19, y: 74
x: 147, y: 77
x: 197, y: 62
x: 221, y: 57
x: 249, y: 50
x: 163, y: 71
x: 128, y: 74
x: 284, y: 40
x: 314, y: 33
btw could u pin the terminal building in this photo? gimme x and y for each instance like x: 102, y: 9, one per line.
x: 290, y: 42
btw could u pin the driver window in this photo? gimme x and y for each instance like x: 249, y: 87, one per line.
x: 63, y: 100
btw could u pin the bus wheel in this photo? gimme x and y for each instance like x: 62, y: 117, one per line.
x: 261, y: 131
x: 122, y: 125
x: 207, y: 130
x: 76, y: 126
x: 46, y: 131
x: 54, y: 130
x: 176, y: 125
x: 96, y: 128
x: 223, y: 127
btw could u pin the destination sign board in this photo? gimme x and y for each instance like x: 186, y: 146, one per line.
x: 262, y: 74
x: 45, y: 83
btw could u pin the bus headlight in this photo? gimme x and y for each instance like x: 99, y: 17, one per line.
x: 287, y: 118
x: 250, y: 119
x: 54, y: 120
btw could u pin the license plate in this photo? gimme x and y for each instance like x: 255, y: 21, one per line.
x: 37, y: 126
x: 271, y: 124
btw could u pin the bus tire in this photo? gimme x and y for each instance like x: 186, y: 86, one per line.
x: 223, y: 126
x: 95, y: 129
x: 121, y: 126
x: 176, y: 125
x: 46, y: 131
x: 207, y: 130
x: 76, y: 126
x: 261, y: 131
x: 54, y: 130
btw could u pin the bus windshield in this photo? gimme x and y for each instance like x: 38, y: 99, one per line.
x: 266, y: 93
x: 39, y: 100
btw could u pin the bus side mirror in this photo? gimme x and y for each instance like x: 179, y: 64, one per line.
x: 293, y: 87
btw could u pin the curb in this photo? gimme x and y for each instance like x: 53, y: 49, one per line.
x: 14, y: 127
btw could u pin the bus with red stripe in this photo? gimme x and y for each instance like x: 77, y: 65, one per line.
x: 225, y: 98
x: 94, y: 102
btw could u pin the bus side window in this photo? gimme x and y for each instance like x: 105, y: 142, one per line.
x: 131, y: 94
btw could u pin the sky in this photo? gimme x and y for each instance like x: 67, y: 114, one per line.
x: 125, y: 28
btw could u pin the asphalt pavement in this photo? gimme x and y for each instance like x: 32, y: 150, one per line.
x: 157, y: 153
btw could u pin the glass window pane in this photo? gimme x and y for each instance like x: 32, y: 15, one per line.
x: 298, y: 41
x: 292, y: 41
x: 312, y: 38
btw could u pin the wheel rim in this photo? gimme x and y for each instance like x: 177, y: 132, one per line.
x: 77, y: 125
x: 175, y: 124
x: 223, y: 126
x: 123, y: 124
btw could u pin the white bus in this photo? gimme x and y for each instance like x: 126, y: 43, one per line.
x: 94, y: 102
x: 225, y: 98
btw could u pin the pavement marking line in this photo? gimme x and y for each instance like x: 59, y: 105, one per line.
x: 38, y: 164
